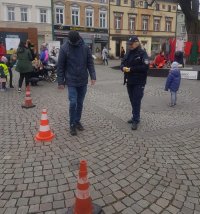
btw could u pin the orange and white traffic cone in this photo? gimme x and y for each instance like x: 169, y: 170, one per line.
x: 28, y: 100
x: 83, y: 203
x: 44, y: 134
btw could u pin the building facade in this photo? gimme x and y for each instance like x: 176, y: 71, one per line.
x: 27, y: 14
x: 90, y: 18
x: 153, y: 25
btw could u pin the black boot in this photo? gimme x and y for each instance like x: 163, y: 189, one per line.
x: 79, y: 126
x: 134, y: 126
x: 73, y: 131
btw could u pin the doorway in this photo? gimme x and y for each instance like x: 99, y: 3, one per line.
x: 117, y: 48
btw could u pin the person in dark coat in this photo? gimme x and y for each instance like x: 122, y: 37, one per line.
x: 135, y: 65
x: 24, y: 64
x: 74, y: 63
x: 122, y: 52
x: 173, y: 82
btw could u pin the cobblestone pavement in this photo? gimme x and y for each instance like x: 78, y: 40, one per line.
x: 155, y: 169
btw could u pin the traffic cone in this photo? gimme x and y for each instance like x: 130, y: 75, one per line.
x: 28, y: 100
x: 83, y: 203
x: 44, y: 134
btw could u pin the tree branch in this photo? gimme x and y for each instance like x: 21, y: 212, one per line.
x: 195, y: 8
x: 186, y: 8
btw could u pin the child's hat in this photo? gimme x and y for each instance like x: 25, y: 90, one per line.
x: 174, y: 65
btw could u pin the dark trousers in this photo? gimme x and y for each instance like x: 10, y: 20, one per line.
x: 11, y: 76
x: 76, y: 97
x: 21, y: 79
x: 136, y: 93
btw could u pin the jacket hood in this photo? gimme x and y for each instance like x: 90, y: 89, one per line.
x: 78, y: 43
x: 175, y: 72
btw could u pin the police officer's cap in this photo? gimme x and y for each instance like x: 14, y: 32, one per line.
x: 133, y: 39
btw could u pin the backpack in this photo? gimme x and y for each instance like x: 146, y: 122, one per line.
x: 2, y: 74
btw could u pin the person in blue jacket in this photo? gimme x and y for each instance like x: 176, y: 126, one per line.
x: 75, y: 64
x: 173, y: 82
x: 135, y: 65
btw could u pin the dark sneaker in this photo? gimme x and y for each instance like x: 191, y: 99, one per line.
x: 73, y: 131
x: 11, y: 86
x: 134, y: 126
x: 79, y: 126
x: 130, y: 121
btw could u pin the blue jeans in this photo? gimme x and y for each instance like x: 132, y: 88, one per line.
x: 173, y: 97
x: 136, y: 93
x: 76, y: 97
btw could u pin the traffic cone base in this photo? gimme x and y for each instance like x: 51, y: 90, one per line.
x: 38, y: 137
x: 96, y: 209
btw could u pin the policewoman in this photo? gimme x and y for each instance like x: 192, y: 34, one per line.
x: 135, y: 65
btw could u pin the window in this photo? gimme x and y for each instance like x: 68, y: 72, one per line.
x: 125, y: 1
x: 24, y: 14
x: 168, y: 26
x: 169, y: 8
x: 118, y: 23
x: 75, y: 16
x: 89, y: 17
x: 11, y: 14
x: 132, y: 23
x: 132, y: 3
x: 174, y: 7
x: 145, y: 23
x: 102, y: 1
x: 183, y: 29
x: 118, y: 2
x: 163, y: 7
x: 156, y: 24
x: 43, y: 16
x: 59, y: 15
x: 141, y: 3
x: 103, y: 19
x: 157, y: 7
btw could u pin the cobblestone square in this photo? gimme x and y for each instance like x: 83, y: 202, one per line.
x: 155, y: 169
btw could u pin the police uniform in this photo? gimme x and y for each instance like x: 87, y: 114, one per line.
x: 137, y: 62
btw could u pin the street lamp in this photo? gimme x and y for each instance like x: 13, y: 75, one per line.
x: 147, y: 4
x: 52, y: 19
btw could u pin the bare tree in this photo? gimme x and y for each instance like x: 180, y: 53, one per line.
x: 191, y: 10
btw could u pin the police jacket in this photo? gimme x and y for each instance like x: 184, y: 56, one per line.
x: 138, y: 62
x: 75, y: 64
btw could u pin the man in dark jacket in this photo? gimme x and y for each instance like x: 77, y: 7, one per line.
x: 135, y: 65
x: 74, y: 62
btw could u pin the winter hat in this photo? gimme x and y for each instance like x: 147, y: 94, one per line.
x: 4, y: 59
x: 74, y: 37
x: 133, y: 39
x: 174, y: 65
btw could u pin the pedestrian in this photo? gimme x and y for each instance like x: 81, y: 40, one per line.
x: 2, y: 49
x: 135, y: 65
x: 173, y: 82
x: 24, y: 64
x: 44, y: 55
x: 74, y: 62
x: 122, y: 52
x: 12, y: 59
x: 4, y: 73
x: 105, y: 55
